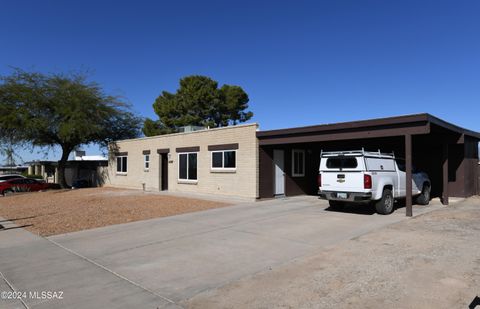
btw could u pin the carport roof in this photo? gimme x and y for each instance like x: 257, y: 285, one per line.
x: 391, y: 126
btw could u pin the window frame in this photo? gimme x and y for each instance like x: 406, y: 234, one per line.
x: 302, y: 152
x: 223, y: 168
x: 186, y: 180
x: 121, y: 172
x: 145, y: 162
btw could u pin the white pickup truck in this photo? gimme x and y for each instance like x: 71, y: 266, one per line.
x: 365, y: 177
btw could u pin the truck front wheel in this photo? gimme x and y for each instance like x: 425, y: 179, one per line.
x: 424, y: 197
x: 384, y: 206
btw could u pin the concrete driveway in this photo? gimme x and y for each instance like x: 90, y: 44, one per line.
x: 162, y: 262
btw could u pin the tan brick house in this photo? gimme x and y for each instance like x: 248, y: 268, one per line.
x: 242, y: 161
x: 211, y: 161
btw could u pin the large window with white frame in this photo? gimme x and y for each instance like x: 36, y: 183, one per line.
x: 146, y: 162
x: 224, y: 160
x: 298, y: 163
x: 187, y: 166
x: 122, y: 164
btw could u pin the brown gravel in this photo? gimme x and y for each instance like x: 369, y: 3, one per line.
x: 430, y: 261
x: 63, y: 211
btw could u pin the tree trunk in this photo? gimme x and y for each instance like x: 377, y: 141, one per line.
x: 61, y: 167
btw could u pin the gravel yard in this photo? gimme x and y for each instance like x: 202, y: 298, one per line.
x: 430, y: 261
x: 57, y: 212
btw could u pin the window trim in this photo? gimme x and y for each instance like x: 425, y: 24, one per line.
x: 182, y: 180
x: 116, y: 165
x: 145, y: 168
x: 223, y: 168
x: 300, y: 151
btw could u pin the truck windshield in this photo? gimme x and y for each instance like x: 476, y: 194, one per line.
x: 342, y: 162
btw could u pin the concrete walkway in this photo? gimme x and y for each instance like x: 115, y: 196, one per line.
x: 30, y: 263
x: 162, y: 262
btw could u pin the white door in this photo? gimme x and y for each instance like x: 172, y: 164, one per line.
x: 278, y: 160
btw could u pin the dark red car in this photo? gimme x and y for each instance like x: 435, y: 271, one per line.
x: 22, y: 185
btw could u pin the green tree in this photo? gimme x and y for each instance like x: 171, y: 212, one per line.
x: 198, y: 102
x: 65, y: 110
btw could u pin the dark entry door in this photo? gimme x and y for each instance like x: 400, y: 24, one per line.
x: 164, y: 172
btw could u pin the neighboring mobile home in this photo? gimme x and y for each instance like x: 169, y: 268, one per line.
x: 92, y: 169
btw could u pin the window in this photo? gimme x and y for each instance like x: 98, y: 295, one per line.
x: 298, y: 163
x: 146, y: 162
x: 187, y: 166
x: 342, y: 162
x: 122, y: 165
x: 225, y: 159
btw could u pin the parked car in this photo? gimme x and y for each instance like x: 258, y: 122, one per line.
x: 368, y: 177
x: 10, y: 176
x: 22, y: 185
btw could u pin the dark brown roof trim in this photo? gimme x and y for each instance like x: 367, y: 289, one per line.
x: 163, y: 150
x: 188, y: 149
x: 379, y: 122
x: 121, y: 154
x: 419, y: 128
x: 223, y: 147
x: 146, y: 152
x: 346, y: 125
x: 452, y: 127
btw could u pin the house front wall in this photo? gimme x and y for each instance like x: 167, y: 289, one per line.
x: 242, y: 181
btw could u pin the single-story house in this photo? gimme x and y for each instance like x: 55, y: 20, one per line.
x: 243, y: 161
x: 211, y: 161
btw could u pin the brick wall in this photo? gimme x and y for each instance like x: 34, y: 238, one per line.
x: 242, y: 182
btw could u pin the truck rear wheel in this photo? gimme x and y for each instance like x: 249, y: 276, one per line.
x: 384, y: 206
x: 424, y: 197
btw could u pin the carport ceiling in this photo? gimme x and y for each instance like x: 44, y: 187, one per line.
x: 374, y: 128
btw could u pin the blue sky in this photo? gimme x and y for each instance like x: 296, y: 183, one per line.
x: 301, y: 62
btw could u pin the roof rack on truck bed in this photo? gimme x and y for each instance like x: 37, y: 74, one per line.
x: 362, y: 152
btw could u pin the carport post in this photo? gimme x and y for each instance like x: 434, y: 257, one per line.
x: 445, y: 174
x: 408, y: 178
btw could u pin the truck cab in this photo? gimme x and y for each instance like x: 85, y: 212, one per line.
x: 361, y: 177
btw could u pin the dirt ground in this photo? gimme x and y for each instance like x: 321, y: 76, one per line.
x: 430, y: 261
x: 57, y: 212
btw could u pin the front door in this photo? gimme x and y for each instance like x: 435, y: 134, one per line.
x: 164, y: 171
x: 278, y: 161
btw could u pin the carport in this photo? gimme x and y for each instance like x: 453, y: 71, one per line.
x: 289, y: 158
